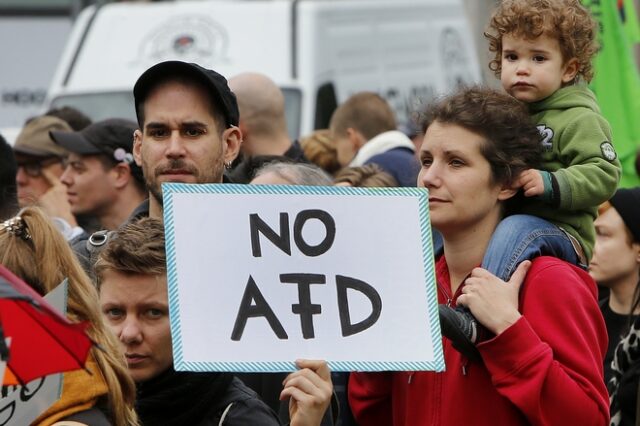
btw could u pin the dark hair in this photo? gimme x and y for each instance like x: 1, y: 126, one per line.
x: 214, y: 109
x: 567, y: 21
x: 72, y: 116
x: 512, y: 141
x: 635, y: 303
x: 366, y: 112
x: 8, y: 170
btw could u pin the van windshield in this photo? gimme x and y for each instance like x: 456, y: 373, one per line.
x: 100, y: 106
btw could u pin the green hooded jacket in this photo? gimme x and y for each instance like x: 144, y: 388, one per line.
x: 580, y: 157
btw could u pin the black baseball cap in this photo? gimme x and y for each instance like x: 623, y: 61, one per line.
x: 627, y: 202
x: 102, y: 137
x: 219, y: 90
x: 112, y: 138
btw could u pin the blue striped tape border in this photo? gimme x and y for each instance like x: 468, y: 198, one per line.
x: 172, y: 275
x: 430, y: 280
x: 230, y: 188
x: 169, y: 189
x: 286, y: 366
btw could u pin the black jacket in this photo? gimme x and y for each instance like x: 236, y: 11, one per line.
x: 200, y: 399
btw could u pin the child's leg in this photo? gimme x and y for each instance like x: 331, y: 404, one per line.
x: 517, y: 238
x: 438, y: 246
x: 524, y: 237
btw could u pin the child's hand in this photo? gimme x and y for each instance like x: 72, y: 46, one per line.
x: 531, y: 182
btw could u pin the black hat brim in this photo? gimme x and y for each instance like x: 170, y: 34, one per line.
x: 74, y: 142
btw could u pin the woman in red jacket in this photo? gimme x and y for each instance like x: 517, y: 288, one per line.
x: 544, y: 364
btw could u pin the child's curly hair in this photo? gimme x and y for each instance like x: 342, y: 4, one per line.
x: 565, y: 20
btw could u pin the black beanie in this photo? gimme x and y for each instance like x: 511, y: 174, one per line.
x: 627, y: 203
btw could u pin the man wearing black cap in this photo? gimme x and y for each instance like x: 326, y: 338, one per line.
x: 188, y: 120
x: 101, y: 177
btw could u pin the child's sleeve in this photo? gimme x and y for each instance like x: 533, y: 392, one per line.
x: 593, y: 170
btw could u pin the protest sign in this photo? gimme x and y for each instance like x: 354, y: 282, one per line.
x: 259, y: 276
x: 20, y: 405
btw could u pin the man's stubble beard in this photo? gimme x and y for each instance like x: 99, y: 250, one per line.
x: 155, y: 188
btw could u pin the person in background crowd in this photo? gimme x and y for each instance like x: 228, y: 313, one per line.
x: 364, y: 129
x: 103, y: 393
x: 77, y: 120
x: 544, y: 363
x: 411, y: 128
x: 369, y: 176
x: 40, y: 165
x: 132, y: 282
x: 286, y: 173
x: 615, y: 264
x: 72, y: 116
x: 101, y: 177
x: 320, y: 149
x: 8, y: 189
x: 263, y: 124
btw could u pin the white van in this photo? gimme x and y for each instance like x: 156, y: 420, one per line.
x: 318, y: 51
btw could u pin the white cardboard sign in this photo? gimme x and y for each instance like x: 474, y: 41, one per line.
x: 262, y: 275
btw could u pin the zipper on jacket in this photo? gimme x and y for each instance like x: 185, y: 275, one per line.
x: 445, y: 293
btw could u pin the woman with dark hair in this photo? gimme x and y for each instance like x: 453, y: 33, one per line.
x: 616, y: 265
x: 544, y: 363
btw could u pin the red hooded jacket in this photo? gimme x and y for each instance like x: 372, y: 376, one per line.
x: 546, y: 369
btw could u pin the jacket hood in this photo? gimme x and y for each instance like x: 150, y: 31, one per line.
x: 565, y: 98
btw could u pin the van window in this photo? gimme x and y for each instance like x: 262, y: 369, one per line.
x: 326, y: 103
x: 100, y: 106
x: 292, y: 108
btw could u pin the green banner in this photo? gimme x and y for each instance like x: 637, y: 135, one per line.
x: 617, y: 80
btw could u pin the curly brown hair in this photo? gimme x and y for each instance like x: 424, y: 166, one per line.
x: 564, y: 20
